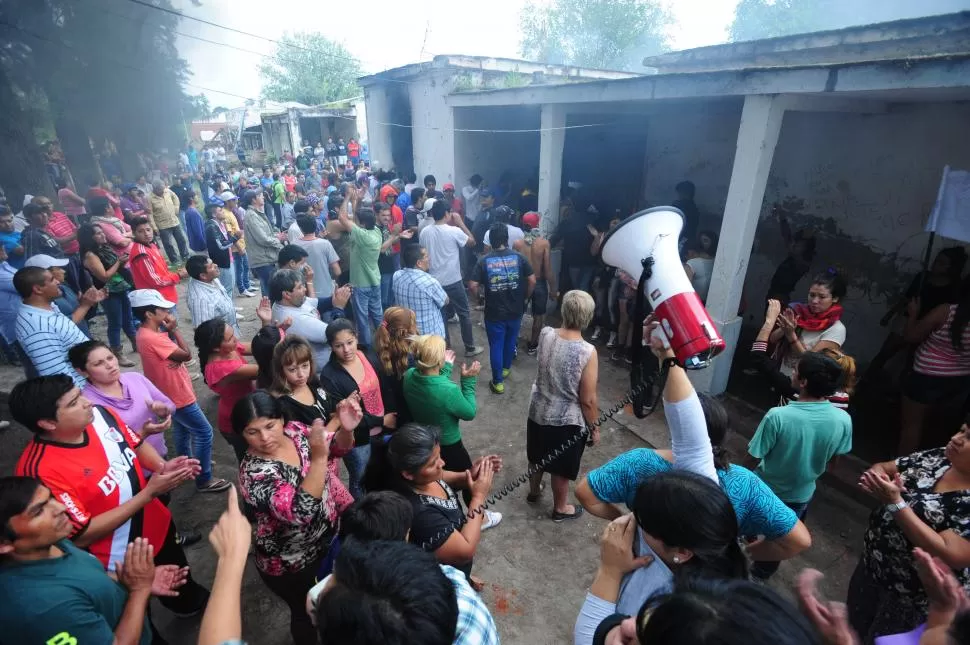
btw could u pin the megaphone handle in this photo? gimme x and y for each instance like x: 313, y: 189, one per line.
x: 659, y: 334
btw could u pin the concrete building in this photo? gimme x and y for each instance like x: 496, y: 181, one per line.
x: 286, y: 129
x: 412, y: 127
x: 846, y: 132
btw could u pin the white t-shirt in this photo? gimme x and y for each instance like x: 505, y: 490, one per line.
x: 321, y: 255
x: 306, y: 323
x: 835, y: 333
x: 221, y: 153
x: 702, y: 268
x: 293, y: 233
x: 473, y: 204
x: 444, y: 244
x: 515, y: 234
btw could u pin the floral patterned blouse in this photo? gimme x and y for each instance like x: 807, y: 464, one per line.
x: 293, y: 528
x: 888, y: 553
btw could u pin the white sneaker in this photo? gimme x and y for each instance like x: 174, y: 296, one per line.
x: 611, y: 343
x: 248, y: 294
x: 596, y: 334
x: 492, y: 518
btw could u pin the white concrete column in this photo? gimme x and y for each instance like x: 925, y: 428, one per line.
x: 757, y: 137
x: 296, y: 137
x: 378, y: 114
x: 551, y: 141
x: 433, y: 134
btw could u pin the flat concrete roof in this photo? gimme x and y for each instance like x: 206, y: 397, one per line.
x: 941, y: 75
x: 915, y: 37
x: 491, y: 64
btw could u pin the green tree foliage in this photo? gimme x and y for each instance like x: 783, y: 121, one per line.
x: 199, y: 109
x: 310, y: 69
x: 605, y: 34
x: 98, y: 71
x: 756, y: 19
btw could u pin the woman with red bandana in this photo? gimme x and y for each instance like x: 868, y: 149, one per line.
x: 811, y: 326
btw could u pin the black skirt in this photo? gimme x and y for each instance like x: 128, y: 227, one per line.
x: 542, y: 441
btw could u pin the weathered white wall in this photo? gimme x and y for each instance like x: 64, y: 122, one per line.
x: 864, y: 182
x: 378, y: 112
x: 433, y: 135
x: 692, y: 142
x: 491, y: 153
x: 867, y: 184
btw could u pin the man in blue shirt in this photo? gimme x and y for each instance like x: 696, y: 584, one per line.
x: 9, y: 307
x: 10, y: 239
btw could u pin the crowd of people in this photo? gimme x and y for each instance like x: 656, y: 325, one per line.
x: 360, y: 275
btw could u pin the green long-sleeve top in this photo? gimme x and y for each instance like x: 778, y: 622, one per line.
x: 439, y: 401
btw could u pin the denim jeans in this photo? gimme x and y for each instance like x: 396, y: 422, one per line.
x: 387, y: 290
x: 356, y: 462
x: 264, y: 273
x: 458, y: 302
x: 228, y: 279
x: 193, y: 437
x: 581, y: 277
x: 241, y: 265
x: 764, y: 570
x: 167, y: 234
x: 502, y: 338
x: 117, y: 308
x: 368, y: 313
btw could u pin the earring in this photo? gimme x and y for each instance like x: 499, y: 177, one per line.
x: 676, y: 560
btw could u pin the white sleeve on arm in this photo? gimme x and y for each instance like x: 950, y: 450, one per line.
x: 688, y: 437
x: 593, y: 612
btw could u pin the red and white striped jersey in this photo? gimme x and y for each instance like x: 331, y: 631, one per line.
x: 95, y: 476
x: 936, y: 356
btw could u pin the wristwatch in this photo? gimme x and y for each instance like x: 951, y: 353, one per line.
x: 895, y: 508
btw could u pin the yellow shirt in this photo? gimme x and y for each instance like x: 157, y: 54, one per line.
x: 232, y: 227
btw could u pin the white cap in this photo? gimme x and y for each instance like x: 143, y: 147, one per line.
x: 44, y: 261
x: 148, y: 297
x: 428, y: 203
x: 227, y: 195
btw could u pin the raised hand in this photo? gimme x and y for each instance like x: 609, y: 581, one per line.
x: 319, y: 446
x: 231, y: 535
x: 829, y: 618
x: 474, y: 370
x: 264, y: 311
x: 137, y: 573
x: 406, y: 234
x: 450, y: 356
x: 616, y: 546
x: 159, y: 408
x: 161, y: 483
x: 168, y: 579
x: 93, y: 296
x: 350, y: 413
x: 341, y: 295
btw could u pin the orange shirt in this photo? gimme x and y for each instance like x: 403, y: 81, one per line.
x: 171, y: 377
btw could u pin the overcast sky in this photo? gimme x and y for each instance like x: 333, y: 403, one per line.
x: 387, y: 34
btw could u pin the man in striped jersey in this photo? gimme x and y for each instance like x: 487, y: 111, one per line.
x: 93, y: 465
x: 43, y: 332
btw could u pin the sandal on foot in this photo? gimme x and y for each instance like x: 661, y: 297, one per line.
x: 560, y: 517
x: 532, y: 498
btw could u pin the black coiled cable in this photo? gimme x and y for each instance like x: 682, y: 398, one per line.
x: 633, y: 396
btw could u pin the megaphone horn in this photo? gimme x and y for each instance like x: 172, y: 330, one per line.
x: 647, y: 241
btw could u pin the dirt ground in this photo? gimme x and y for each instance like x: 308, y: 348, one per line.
x: 536, y: 572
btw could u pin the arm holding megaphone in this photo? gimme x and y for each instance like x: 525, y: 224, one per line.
x: 689, y: 440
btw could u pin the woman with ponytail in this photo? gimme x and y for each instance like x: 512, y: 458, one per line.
x: 226, y: 373
x: 410, y: 463
x: 811, y: 326
x: 941, y: 366
x: 392, y: 344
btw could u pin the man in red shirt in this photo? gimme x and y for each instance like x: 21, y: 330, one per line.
x: 149, y: 270
x: 64, y: 231
x: 93, y: 465
x: 454, y: 204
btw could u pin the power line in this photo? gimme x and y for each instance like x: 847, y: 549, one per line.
x: 336, y: 116
x: 319, y: 52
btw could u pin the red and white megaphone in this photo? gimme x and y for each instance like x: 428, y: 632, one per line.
x: 649, y: 239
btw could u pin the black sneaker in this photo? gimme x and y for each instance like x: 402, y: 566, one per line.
x: 187, y: 538
x: 531, y: 350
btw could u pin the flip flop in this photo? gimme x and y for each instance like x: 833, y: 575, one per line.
x: 560, y: 517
